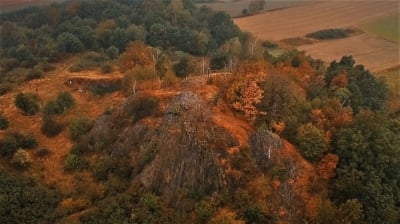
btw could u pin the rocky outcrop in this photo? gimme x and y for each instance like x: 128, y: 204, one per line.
x: 187, y: 159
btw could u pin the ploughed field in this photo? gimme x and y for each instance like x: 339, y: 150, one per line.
x: 9, y: 5
x: 375, y: 47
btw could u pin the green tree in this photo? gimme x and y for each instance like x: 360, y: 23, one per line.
x: 184, y: 67
x: 28, y: 103
x: 369, y: 164
x: 311, y: 142
x: 69, y: 43
x: 222, y: 27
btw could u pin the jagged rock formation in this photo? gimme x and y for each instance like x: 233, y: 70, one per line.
x: 188, y: 149
x: 264, y: 145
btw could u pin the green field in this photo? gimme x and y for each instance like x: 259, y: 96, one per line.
x: 387, y: 27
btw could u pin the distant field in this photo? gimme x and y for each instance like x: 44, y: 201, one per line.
x: 301, y: 20
x: 373, y: 51
x: 10, y: 5
x: 235, y: 7
x: 387, y: 27
x: 393, y: 79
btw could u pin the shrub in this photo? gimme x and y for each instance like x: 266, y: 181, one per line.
x: 112, y: 52
x: 51, y: 128
x: 8, y: 145
x: 79, y: 127
x: 90, y: 60
x: 3, y: 123
x: 34, y: 74
x: 52, y: 108
x: 28, y: 142
x: 63, y: 102
x: 104, y: 88
x: 143, y: 106
x: 330, y: 34
x: 74, y: 162
x: 106, y: 68
x: 21, y: 159
x: 28, y: 103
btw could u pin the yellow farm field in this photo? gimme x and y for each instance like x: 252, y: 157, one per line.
x: 373, y: 51
x: 301, y: 20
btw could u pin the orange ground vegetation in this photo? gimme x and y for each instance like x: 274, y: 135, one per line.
x: 50, y: 169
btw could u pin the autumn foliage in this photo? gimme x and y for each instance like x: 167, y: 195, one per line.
x: 247, y: 97
x: 136, y: 55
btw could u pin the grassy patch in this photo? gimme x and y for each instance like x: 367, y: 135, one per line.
x: 387, y: 27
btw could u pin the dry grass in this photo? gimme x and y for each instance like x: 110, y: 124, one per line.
x: 50, y: 170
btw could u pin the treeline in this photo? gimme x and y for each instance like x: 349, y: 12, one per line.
x: 33, y: 38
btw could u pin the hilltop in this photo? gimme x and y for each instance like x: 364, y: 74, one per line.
x: 163, y: 112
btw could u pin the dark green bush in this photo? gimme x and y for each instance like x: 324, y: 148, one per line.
x: 104, y: 88
x: 28, y: 142
x: 52, y: 108
x: 8, y: 145
x: 106, y: 68
x: 112, y: 52
x: 142, y: 107
x: 34, y: 74
x: 78, y: 127
x: 63, y: 102
x: 51, y: 128
x: 3, y: 123
x: 74, y: 162
x: 89, y: 61
x: 330, y: 34
x: 28, y: 103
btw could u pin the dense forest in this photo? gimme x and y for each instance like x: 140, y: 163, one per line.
x: 167, y: 158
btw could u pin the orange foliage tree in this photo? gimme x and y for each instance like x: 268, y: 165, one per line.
x: 136, y: 55
x: 248, y: 97
x: 327, y: 166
